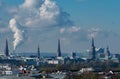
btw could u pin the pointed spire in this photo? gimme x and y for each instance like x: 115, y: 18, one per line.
x: 92, y: 41
x: 38, y: 52
x: 92, y: 50
x: 6, y: 49
x: 59, y: 50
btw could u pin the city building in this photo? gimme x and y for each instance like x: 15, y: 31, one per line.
x: 55, y: 61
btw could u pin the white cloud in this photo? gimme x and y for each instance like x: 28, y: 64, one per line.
x: 41, y: 14
x: 72, y: 29
x: 81, y: 34
x: 49, y: 10
x: 93, y: 32
x: 30, y: 4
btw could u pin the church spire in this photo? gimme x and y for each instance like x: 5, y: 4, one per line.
x: 59, y: 50
x: 6, y: 49
x: 93, y: 42
x: 92, y: 50
x: 38, y: 52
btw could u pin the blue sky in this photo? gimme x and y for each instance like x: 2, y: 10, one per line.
x: 73, y: 21
x: 102, y: 12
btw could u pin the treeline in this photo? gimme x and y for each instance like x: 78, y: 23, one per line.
x: 76, y: 66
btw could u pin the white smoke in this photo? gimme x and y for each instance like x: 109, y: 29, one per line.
x: 18, y: 34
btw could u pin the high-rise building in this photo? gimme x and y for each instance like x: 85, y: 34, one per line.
x: 92, y: 51
x: 38, y: 52
x: 6, y: 49
x: 107, y: 53
x: 59, y: 50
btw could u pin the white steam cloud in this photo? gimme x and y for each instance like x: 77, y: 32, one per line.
x: 18, y: 34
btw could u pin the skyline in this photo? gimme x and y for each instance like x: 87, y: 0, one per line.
x: 29, y: 23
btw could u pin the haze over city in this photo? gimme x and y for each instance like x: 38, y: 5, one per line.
x: 27, y: 23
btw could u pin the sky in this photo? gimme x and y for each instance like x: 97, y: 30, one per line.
x: 29, y: 23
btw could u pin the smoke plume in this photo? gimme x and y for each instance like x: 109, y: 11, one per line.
x: 18, y: 34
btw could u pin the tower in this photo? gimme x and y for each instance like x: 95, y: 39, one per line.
x: 74, y: 54
x: 38, y: 52
x: 92, y: 50
x: 59, y: 50
x: 107, y: 53
x: 6, y: 49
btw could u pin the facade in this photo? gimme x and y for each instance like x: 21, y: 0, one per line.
x: 53, y: 61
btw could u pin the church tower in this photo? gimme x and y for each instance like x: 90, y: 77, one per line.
x: 107, y: 53
x: 6, y: 49
x: 59, y: 50
x: 38, y: 52
x: 92, y: 51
